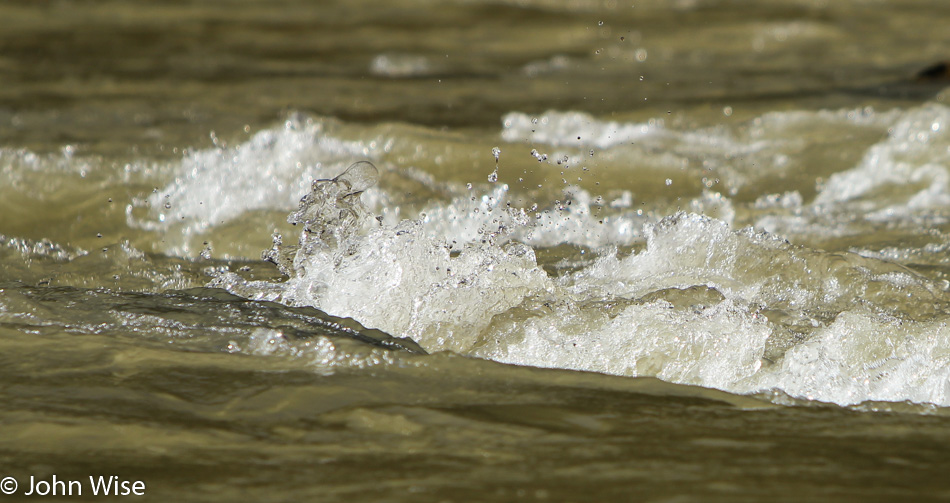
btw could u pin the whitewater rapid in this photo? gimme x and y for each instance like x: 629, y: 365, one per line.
x: 721, y: 280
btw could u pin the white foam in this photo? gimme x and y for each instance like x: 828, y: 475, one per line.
x: 915, y: 152
x: 270, y: 171
x: 872, y: 350
x: 863, y: 356
x: 902, y: 180
x: 700, y: 305
x: 574, y: 219
x: 24, y: 171
x: 573, y: 129
x: 727, y: 158
x: 218, y: 185
x: 405, y: 282
x: 703, y: 303
x: 716, y: 347
x: 399, y: 65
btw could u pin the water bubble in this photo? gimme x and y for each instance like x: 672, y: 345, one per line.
x: 495, y: 151
x: 600, y: 23
x: 358, y: 177
x: 669, y: 181
x: 206, y: 251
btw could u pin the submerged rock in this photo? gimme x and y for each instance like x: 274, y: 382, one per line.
x: 202, y: 318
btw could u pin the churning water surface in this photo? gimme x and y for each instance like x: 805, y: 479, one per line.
x: 476, y: 250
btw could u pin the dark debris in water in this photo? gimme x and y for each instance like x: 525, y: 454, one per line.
x: 937, y: 71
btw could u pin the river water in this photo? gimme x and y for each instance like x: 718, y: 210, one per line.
x: 532, y: 250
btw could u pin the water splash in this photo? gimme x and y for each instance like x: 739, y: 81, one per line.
x: 701, y: 304
x: 687, y: 297
x: 217, y: 186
